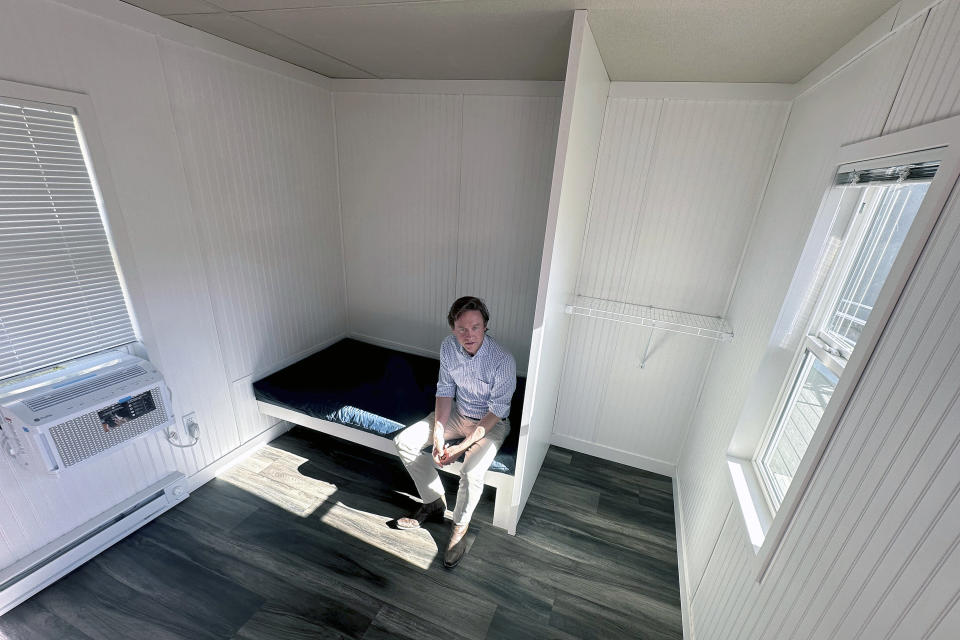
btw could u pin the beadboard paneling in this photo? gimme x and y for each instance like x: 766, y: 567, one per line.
x: 259, y: 159
x: 506, y: 160
x: 160, y: 249
x: 608, y: 400
x: 36, y: 508
x: 889, y: 475
x: 400, y: 190
x: 841, y: 109
x: 250, y: 422
x: 443, y: 196
x: 877, y: 534
x: 677, y: 185
x: 931, y: 87
x: 630, y: 129
x: 877, y: 528
x: 124, y: 82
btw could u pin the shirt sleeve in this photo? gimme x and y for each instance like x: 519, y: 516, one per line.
x: 446, y: 387
x: 504, y: 384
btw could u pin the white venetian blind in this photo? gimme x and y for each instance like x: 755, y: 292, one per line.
x: 60, y: 296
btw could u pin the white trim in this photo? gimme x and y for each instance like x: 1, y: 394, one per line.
x: 875, y: 33
x: 704, y: 90
x: 532, y: 88
x: 682, y: 564
x: 932, y: 136
x: 218, y: 466
x: 895, y: 19
x: 754, y: 505
x: 163, y: 27
x: 944, y: 136
x: 917, y: 157
x: 390, y: 344
x: 343, y: 244
x: 613, y: 454
x: 909, y: 9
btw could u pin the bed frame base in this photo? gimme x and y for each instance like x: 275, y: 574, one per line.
x: 502, y: 511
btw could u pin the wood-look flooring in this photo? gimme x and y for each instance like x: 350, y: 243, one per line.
x: 295, y: 542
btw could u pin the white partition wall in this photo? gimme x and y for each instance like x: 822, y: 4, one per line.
x: 578, y: 140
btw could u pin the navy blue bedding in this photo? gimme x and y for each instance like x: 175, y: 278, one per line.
x: 372, y: 388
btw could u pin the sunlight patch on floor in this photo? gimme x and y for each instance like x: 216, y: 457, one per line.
x: 415, y: 546
x: 273, y: 475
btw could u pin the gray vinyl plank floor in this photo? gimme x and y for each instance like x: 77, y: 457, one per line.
x: 296, y: 542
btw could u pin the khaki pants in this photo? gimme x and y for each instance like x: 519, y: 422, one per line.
x: 410, y: 445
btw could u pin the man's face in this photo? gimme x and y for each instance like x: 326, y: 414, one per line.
x: 470, y: 329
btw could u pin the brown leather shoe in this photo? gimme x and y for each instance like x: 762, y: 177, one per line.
x: 457, y: 547
x: 424, y: 513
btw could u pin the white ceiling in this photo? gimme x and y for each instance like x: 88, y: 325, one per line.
x: 640, y: 40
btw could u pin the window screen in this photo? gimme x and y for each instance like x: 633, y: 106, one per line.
x: 60, y: 295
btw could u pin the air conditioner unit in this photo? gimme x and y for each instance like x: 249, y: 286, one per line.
x: 61, y: 417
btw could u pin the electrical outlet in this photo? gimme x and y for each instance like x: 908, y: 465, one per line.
x: 191, y: 425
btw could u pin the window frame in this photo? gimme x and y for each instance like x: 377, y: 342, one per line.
x: 791, y: 389
x: 775, y: 378
x: 91, y: 142
x: 817, y: 343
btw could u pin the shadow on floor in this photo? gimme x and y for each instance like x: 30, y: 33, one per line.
x: 295, y: 543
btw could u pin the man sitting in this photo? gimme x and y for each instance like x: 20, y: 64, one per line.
x: 476, y: 383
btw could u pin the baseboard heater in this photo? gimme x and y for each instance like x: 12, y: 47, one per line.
x: 58, y: 558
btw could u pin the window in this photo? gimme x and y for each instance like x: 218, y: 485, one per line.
x: 874, y: 211
x: 868, y: 234
x: 60, y: 293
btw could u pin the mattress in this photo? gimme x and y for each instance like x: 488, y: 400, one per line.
x: 373, y: 388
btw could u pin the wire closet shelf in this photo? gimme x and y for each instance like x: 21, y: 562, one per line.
x: 710, y: 327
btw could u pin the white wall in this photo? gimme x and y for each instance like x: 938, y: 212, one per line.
x: 259, y: 159
x: 874, y: 540
x: 677, y: 185
x: 188, y: 247
x: 578, y: 141
x: 444, y: 191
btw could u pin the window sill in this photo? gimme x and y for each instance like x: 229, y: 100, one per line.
x: 757, y: 516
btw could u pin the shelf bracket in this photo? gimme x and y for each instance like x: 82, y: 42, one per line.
x: 646, y: 350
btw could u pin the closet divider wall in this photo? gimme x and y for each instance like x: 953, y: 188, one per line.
x: 581, y: 120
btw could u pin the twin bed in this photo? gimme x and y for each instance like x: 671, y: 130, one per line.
x: 365, y: 393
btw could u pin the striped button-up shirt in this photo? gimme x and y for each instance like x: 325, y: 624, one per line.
x: 480, y: 383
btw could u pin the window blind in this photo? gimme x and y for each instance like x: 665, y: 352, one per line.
x: 924, y: 171
x: 60, y: 295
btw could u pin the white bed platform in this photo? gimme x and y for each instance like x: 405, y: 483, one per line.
x: 503, y: 482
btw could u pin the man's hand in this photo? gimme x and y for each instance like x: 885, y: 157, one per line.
x: 439, y: 446
x: 451, y: 454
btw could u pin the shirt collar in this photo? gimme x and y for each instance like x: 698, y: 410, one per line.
x: 482, y: 350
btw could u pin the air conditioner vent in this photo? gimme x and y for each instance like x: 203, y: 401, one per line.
x: 85, y: 436
x: 78, y: 389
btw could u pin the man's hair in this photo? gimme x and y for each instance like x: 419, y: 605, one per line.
x: 464, y: 304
